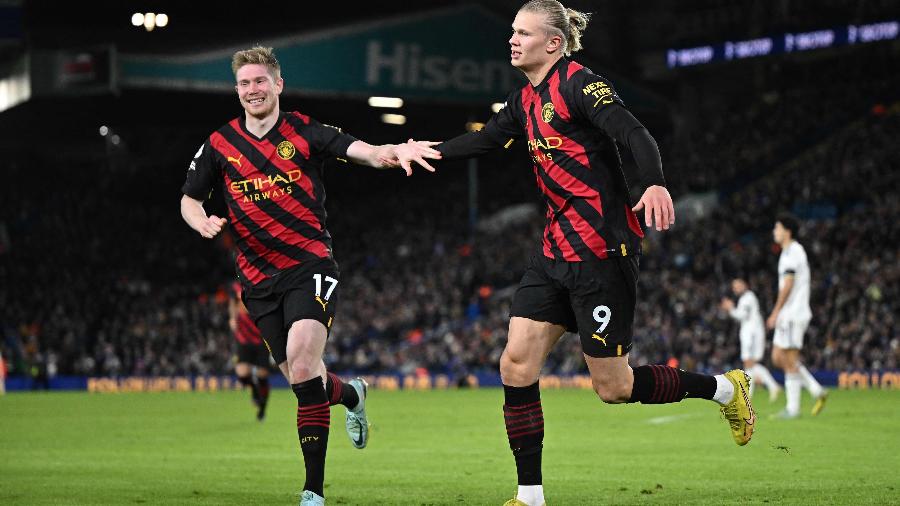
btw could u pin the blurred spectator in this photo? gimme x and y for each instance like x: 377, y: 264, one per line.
x: 83, y: 294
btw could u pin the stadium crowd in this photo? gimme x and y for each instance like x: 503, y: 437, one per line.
x: 100, y: 277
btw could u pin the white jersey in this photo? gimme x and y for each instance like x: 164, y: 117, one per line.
x: 747, y: 313
x: 793, y: 261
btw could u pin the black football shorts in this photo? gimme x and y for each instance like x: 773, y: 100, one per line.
x: 596, y: 299
x: 308, y: 291
x: 253, y: 354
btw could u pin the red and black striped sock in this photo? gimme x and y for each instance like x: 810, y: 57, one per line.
x: 661, y: 384
x: 525, y: 430
x: 313, y: 420
x: 340, y: 393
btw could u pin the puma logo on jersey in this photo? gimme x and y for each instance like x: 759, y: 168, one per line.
x: 322, y: 302
x: 236, y: 160
x: 601, y: 339
x: 606, y: 99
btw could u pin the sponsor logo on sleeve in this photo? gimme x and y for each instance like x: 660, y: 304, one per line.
x: 599, y: 90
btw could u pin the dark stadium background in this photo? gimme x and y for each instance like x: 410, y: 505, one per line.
x: 100, y: 277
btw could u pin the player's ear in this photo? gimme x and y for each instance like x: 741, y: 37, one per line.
x: 554, y: 44
x: 279, y: 85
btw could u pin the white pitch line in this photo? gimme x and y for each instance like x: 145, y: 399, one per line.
x: 659, y: 420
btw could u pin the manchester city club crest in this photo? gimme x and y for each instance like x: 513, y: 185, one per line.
x: 286, y: 150
x: 547, y: 112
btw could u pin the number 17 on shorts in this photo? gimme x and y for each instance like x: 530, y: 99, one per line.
x: 329, y: 289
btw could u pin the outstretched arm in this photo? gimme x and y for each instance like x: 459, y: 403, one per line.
x: 468, y: 145
x: 389, y: 156
x: 500, y: 130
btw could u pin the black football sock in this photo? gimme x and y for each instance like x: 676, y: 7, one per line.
x: 339, y: 392
x: 661, y: 384
x: 263, y: 388
x: 263, y: 391
x: 313, y: 420
x: 247, y: 381
x: 524, y: 419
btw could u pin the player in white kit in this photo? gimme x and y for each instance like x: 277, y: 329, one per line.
x: 790, y: 318
x: 752, y: 334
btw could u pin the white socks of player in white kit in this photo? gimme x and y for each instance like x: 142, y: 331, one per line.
x: 815, y: 389
x: 759, y: 371
x: 532, y: 495
x: 724, y: 390
x: 793, y: 383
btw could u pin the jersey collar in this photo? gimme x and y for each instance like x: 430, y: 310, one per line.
x: 242, y: 121
x: 554, y: 69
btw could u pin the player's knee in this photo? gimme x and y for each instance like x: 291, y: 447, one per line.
x: 791, y: 365
x: 301, y: 371
x: 515, y: 369
x: 780, y: 360
x: 612, y: 391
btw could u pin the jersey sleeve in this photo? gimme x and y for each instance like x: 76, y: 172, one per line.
x: 592, y: 97
x: 741, y: 312
x: 202, y: 173
x: 500, y: 130
x: 792, y: 261
x: 506, y: 124
x: 594, y: 101
x: 752, y: 305
x: 328, y: 140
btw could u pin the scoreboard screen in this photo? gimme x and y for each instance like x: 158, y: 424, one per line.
x: 790, y: 42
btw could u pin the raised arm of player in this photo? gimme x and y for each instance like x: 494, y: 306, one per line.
x: 779, y: 303
x: 727, y: 305
x: 388, y: 156
x: 195, y: 216
x: 741, y: 312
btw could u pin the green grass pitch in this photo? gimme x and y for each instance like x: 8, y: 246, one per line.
x: 440, y: 447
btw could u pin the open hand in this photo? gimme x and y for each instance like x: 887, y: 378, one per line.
x: 657, y: 203
x: 417, y: 151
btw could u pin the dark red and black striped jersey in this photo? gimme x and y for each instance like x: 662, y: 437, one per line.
x: 247, y: 332
x: 576, y: 163
x: 273, y: 188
